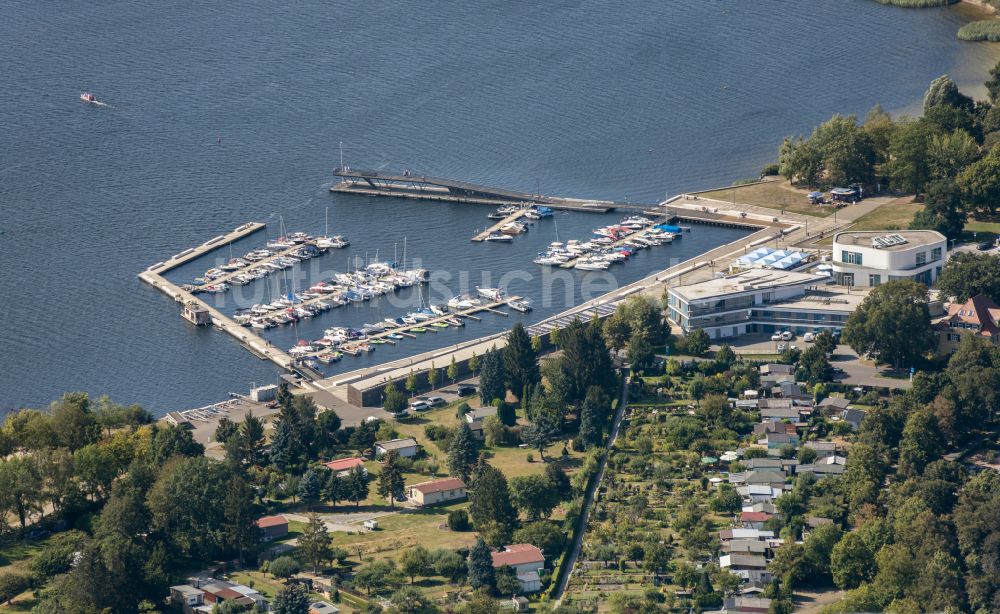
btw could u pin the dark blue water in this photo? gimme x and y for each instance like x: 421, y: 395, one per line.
x: 224, y: 113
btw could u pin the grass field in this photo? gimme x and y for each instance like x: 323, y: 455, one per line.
x: 981, y: 231
x: 771, y: 194
x: 509, y: 459
x: 895, y: 215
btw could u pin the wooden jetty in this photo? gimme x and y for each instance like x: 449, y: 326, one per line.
x: 513, y: 217
x: 425, y: 187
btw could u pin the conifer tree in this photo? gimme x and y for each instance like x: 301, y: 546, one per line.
x: 481, y: 573
x: 520, y: 361
x: 390, y: 480
x: 491, y: 510
x: 358, y: 485
x: 463, y: 453
x: 315, y: 542
x: 310, y: 488
x: 491, y: 378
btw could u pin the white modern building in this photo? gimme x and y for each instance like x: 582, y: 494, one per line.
x: 871, y: 258
x: 737, y: 304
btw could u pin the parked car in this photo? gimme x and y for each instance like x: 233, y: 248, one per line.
x: 985, y: 245
x: 435, y: 401
x: 419, y: 405
x: 465, y: 390
x: 776, y: 337
x: 809, y: 337
x: 787, y: 336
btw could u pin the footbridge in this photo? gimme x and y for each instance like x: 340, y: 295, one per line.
x: 411, y: 185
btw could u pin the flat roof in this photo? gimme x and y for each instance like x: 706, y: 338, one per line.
x: 748, y: 281
x: 831, y: 298
x: 863, y: 238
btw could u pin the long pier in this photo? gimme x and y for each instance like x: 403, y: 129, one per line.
x: 212, y: 244
x: 425, y: 187
x: 252, y: 342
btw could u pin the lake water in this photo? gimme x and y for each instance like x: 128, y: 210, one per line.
x: 223, y: 113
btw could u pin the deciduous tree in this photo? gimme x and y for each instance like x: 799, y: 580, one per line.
x: 892, y: 324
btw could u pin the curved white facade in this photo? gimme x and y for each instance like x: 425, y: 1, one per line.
x: 866, y: 258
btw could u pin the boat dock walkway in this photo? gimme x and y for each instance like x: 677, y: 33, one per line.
x: 513, y: 217
x: 253, y: 265
x: 212, y: 244
x: 428, y: 324
x: 409, y: 185
x: 253, y: 343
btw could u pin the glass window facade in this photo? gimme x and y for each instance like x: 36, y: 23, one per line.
x: 850, y: 257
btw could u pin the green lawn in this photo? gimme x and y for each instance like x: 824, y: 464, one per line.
x: 778, y: 195
x: 981, y: 231
x: 407, y: 529
x: 895, y: 215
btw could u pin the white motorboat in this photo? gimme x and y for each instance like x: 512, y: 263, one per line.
x: 497, y: 236
x: 522, y: 305
x: 493, y: 294
x: 513, y: 228
x: 589, y: 264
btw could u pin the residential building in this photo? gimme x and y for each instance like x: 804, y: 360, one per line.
x: 272, y: 527
x: 776, y: 369
x: 775, y: 479
x: 322, y: 607
x: 405, y: 447
x: 978, y: 316
x: 743, y: 604
x: 756, y: 493
x: 775, y: 410
x: 745, y: 546
x: 753, y: 520
x: 437, y: 491
x: 740, y: 564
x: 342, y: 466
x: 727, y: 535
x: 475, y: 417
x: 833, y: 405
x: 527, y: 561
x: 187, y: 597
x: 722, y: 306
x: 203, y: 594
x: 854, y: 417
x: 871, y: 258
x: 775, y: 441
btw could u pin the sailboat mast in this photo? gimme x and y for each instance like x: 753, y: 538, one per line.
x: 341, y: 155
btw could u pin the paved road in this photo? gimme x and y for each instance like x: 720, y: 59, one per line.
x: 588, y: 501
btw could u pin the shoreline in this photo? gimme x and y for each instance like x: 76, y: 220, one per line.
x: 980, y: 6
